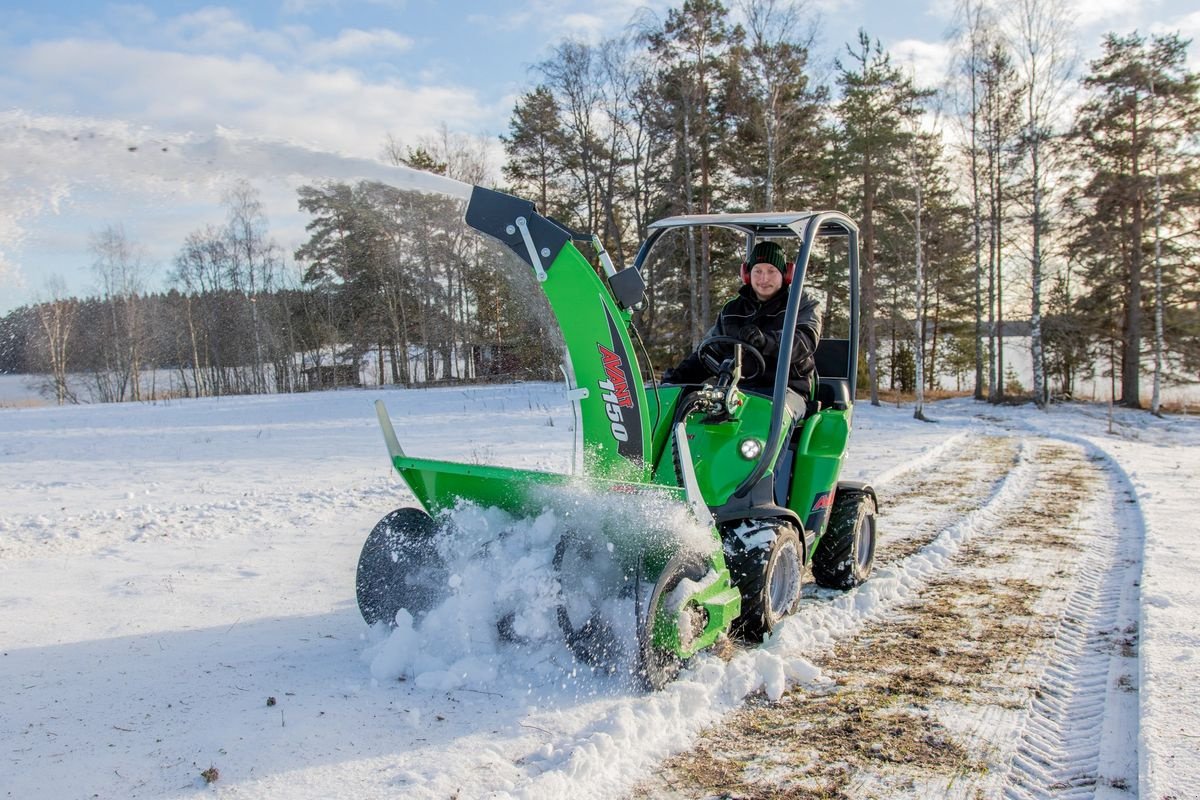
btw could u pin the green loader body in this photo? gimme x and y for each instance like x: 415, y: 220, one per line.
x: 759, y: 473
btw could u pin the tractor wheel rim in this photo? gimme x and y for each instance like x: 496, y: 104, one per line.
x: 785, y: 580
x: 865, y: 546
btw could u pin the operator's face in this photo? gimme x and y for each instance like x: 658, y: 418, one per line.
x: 765, y: 280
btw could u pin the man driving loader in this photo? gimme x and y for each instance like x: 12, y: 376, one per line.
x: 755, y: 316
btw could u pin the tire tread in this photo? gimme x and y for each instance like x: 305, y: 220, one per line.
x: 835, y: 562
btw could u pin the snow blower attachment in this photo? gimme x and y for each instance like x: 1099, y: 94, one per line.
x: 753, y: 477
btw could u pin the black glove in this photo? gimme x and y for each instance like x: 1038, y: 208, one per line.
x: 754, y: 337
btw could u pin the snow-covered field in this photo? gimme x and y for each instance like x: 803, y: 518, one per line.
x: 177, y: 594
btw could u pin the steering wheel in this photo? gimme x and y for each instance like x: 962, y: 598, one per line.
x: 709, y: 353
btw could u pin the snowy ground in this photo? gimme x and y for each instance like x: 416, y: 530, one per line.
x: 177, y: 593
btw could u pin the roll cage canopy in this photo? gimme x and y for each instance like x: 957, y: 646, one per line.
x: 761, y: 225
x: 807, y: 226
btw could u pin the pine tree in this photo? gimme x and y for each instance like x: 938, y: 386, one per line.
x: 1001, y: 100
x: 776, y: 113
x: 1136, y: 142
x: 967, y: 90
x: 694, y: 48
x: 875, y: 113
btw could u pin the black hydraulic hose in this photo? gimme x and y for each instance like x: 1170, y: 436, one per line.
x: 637, y: 335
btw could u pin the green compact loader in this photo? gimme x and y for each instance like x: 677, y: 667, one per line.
x: 757, y: 474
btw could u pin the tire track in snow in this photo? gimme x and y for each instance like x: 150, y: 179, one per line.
x: 973, y: 726
x: 962, y: 477
x: 1080, y: 738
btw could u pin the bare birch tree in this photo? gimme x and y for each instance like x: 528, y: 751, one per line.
x: 976, y: 33
x: 1042, y: 33
x: 120, y: 266
x: 57, y: 314
x: 254, y: 261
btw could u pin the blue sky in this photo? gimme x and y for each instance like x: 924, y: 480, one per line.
x: 277, y: 83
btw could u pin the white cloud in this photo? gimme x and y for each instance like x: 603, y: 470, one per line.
x: 586, y: 27
x: 211, y: 27
x: 306, y: 6
x: 351, y: 43
x: 310, y: 6
x: 587, y: 21
x: 215, y: 30
x: 131, y: 14
x: 334, y: 109
x: 928, y: 61
x: 1106, y: 13
x: 504, y: 22
x: 834, y: 7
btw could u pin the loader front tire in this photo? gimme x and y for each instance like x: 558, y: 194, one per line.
x: 658, y: 665
x: 770, y: 578
x: 846, y: 553
x: 400, y: 567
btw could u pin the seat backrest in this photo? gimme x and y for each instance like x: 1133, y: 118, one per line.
x: 833, y: 371
x: 833, y: 358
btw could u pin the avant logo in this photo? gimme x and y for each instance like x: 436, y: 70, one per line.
x: 819, y: 513
x: 823, y: 502
x: 616, y: 395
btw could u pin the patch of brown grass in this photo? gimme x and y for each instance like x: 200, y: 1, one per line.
x: 878, y: 715
x: 957, y: 642
x: 24, y: 402
x: 949, y: 481
x: 895, y: 396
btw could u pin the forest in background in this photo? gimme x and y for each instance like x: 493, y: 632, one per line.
x: 984, y: 211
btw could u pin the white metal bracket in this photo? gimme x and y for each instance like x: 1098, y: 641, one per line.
x: 523, y: 226
x: 389, y: 433
x: 690, y: 486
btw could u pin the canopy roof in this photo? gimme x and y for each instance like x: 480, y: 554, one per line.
x: 762, y: 224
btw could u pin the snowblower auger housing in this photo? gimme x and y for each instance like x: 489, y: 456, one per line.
x: 685, y: 446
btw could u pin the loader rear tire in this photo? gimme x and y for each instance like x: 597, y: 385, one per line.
x: 770, y: 579
x: 846, y: 553
x: 400, y: 567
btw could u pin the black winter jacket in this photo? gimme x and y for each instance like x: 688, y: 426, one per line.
x: 745, y: 310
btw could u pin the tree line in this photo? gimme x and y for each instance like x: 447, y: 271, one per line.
x: 1017, y: 197
x: 393, y: 277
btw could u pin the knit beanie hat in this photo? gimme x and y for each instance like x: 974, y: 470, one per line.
x: 770, y: 253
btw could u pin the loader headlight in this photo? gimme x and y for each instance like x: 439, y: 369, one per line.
x: 750, y: 449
